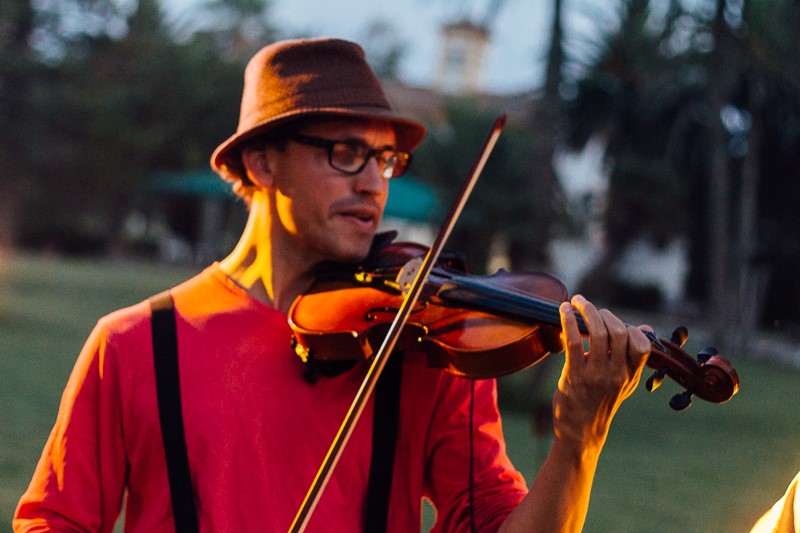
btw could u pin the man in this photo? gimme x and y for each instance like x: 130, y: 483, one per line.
x: 315, y: 146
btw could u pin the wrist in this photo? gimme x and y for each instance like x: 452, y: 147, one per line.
x: 579, y: 448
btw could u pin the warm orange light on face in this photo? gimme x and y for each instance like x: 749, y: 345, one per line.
x: 284, y: 206
x: 319, y: 213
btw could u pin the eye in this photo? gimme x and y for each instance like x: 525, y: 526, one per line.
x: 349, y: 154
x: 390, y: 157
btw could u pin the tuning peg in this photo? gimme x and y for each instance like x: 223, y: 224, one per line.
x: 654, y: 381
x: 706, y: 354
x: 681, y: 401
x: 679, y: 335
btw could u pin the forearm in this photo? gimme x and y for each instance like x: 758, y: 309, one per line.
x: 558, y: 500
x: 593, y: 385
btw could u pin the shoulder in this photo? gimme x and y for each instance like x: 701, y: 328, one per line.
x: 212, y: 293
x: 132, y: 324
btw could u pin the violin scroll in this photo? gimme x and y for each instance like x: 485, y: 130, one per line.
x: 708, y: 376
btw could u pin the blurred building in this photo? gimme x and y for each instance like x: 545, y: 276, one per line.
x: 461, y: 56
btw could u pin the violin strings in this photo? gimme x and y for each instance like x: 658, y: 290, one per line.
x: 506, y: 301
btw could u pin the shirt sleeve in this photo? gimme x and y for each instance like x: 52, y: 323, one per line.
x: 781, y: 518
x: 496, y: 487
x: 79, y: 481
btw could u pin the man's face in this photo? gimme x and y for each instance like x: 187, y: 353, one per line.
x: 323, y: 213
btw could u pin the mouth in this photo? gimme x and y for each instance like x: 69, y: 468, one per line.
x: 362, y: 217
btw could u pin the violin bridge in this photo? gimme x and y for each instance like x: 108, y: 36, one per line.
x: 405, y: 278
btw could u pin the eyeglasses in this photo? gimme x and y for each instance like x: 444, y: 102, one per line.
x: 351, y: 157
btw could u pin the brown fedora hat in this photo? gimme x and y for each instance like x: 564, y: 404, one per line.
x: 290, y: 79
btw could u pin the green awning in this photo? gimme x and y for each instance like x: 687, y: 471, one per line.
x: 409, y: 198
x: 201, y: 183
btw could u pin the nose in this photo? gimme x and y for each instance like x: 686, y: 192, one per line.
x: 370, y: 180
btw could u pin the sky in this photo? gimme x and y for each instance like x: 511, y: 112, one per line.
x: 515, y: 57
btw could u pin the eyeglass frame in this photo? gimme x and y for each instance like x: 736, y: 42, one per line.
x: 329, y: 144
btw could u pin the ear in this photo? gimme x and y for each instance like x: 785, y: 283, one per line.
x: 257, y: 167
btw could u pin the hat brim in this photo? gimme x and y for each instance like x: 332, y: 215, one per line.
x: 409, y: 133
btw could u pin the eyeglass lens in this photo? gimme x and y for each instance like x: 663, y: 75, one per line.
x: 353, y: 158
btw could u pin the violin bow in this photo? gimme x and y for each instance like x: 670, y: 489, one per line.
x: 381, y: 357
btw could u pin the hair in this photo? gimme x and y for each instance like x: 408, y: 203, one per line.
x: 234, y: 171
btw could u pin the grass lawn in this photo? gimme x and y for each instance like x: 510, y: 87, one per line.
x: 709, y: 469
x: 712, y: 468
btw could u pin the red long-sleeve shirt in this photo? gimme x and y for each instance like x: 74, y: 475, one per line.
x: 256, y: 431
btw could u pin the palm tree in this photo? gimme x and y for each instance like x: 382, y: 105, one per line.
x: 692, y: 108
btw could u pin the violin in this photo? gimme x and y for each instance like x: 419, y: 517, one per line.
x: 470, y: 326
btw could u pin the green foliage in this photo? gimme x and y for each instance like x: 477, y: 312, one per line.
x: 503, y: 202
x: 656, y: 88
x: 86, y: 115
x: 774, y: 44
x: 645, y: 199
x: 384, y: 49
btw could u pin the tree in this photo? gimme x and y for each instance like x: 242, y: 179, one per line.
x: 117, y: 99
x: 384, y: 49
x: 700, y: 102
x: 499, y: 205
x: 237, y: 28
x: 528, y: 248
x: 108, y: 110
x: 16, y: 69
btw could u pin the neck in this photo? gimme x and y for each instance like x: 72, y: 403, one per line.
x: 256, y: 265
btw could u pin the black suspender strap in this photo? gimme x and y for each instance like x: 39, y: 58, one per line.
x: 165, y: 354
x: 168, y: 391
x: 384, y: 440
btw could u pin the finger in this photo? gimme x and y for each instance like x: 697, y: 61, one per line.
x: 573, y: 342
x: 639, y: 345
x: 638, y: 350
x: 598, y: 334
x: 617, y: 335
